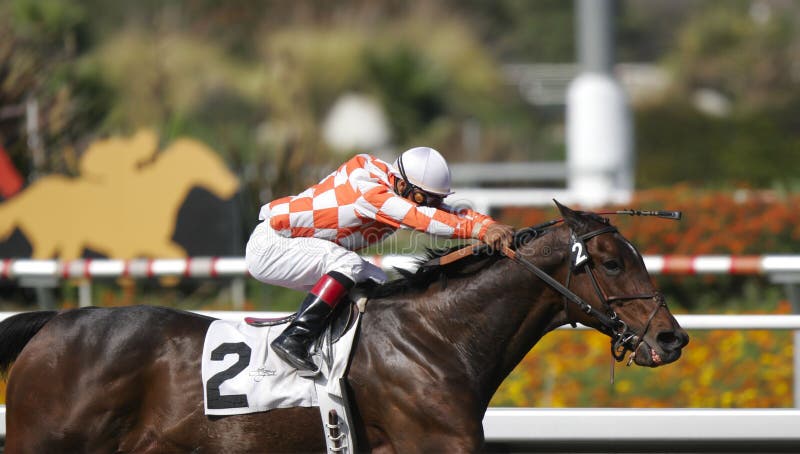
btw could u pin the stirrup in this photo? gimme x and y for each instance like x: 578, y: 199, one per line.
x: 305, y: 373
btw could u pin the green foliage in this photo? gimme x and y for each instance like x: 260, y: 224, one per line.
x: 40, y: 42
x: 521, y: 31
x: 47, y: 22
x: 410, y: 90
x: 676, y: 143
x: 747, y: 57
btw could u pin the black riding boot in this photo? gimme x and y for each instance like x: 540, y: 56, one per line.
x: 293, y: 344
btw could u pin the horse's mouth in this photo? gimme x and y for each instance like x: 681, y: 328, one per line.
x: 648, y: 356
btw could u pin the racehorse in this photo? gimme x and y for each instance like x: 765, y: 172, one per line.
x: 432, y: 349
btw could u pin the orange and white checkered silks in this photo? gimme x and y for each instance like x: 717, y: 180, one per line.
x: 351, y: 208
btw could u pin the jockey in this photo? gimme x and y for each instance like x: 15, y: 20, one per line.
x: 306, y: 241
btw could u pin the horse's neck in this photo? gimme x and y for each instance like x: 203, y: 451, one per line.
x: 517, y: 320
x: 492, y: 319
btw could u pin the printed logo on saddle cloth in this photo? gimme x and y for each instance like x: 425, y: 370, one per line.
x: 241, y: 374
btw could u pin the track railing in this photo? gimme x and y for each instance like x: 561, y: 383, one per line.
x: 212, y: 267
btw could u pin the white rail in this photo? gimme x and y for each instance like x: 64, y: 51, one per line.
x: 567, y: 429
x: 212, y: 267
x: 621, y: 424
x: 643, y: 429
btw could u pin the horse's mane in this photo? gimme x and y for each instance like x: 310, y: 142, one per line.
x: 426, y: 274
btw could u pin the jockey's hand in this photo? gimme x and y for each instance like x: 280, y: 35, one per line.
x: 499, y: 236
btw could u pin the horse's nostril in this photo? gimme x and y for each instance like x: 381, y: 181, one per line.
x: 670, y: 340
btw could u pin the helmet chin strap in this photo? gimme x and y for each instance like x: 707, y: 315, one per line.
x: 409, y: 187
x: 396, y: 186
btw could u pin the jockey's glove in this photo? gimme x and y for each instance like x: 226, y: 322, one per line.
x: 499, y: 236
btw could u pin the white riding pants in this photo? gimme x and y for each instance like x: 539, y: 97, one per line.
x: 298, y: 263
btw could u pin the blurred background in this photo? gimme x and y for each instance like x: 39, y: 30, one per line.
x: 156, y: 129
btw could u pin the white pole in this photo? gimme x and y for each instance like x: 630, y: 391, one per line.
x: 238, y: 293
x: 793, y: 292
x: 85, y: 293
x: 599, y: 132
x: 35, y: 143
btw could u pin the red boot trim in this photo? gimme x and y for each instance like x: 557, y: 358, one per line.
x: 329, y: 290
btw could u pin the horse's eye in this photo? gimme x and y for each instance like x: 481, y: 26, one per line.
x: 612, y: 266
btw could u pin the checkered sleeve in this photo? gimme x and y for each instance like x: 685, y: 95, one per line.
x: 379, y: 203
x: 480, y: 221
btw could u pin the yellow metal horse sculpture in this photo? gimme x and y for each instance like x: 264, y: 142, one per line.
x: 125, y: 203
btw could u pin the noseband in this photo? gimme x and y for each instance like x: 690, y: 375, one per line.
x: 623, y: 338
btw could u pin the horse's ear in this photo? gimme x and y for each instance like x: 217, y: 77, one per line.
x: 574, y: 219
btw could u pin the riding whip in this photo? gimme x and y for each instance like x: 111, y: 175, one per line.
x: 675, y: 215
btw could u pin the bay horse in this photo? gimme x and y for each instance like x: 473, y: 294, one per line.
x: 432, y: 349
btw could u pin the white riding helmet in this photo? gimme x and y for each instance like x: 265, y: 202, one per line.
x: 426, y: 169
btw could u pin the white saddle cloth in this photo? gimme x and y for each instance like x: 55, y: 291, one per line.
x: 241, y: 374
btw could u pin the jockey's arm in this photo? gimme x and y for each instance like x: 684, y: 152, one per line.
x: 379, y: 203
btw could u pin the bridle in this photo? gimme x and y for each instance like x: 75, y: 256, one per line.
x: 626, y: 338
x: 623, y: 338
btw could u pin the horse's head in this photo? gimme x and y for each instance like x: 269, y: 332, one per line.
x: 618, y: 296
